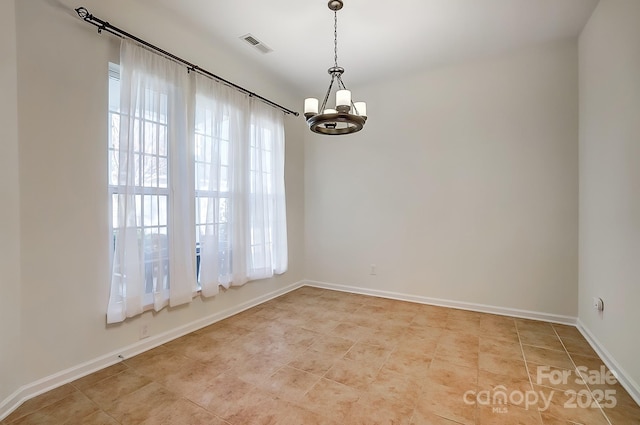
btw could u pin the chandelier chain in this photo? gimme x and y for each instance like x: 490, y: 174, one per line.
x: 335, y: 38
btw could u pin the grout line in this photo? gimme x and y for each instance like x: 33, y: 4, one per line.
x: 575, y: 369
x: 526, y: 365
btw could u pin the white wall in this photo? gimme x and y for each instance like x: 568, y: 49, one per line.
x: 10, y: 370
x: 62, y: 82
x: 463, y: 185
x: 609, y: 50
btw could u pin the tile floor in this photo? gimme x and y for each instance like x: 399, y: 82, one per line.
x: 315, y: 356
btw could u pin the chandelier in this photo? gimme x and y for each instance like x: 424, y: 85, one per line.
x: 348, y: 116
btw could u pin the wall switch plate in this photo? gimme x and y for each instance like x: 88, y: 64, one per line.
x: 144, y: 331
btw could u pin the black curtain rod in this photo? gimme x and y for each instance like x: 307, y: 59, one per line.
x: 106, y: 26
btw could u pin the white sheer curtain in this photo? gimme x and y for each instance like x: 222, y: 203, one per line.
x: 198, y: 187
x: 266, y: 196
x: 154, y: 256
x: 220, y: 127
x: 240, y: 204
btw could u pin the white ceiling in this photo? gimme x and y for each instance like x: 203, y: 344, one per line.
x: 377, y: 39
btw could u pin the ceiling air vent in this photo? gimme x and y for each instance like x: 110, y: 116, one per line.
x: 256, y: 44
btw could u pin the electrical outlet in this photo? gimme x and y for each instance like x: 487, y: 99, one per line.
x: 597, y: 304
x: 373, y: 270
x: 144, y: 331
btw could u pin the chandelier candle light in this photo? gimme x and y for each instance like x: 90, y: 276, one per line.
x: 348, y: 116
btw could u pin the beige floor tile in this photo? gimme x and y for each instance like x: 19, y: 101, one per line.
x: 539, y: 339
x: 98, y: 418
x: 90, y: 380
x: 378, y: 410
x: 388, y: 338
x: 183, y: 412
x: 503, y: 331
x: 452, y: 375
x: 331, y: 399
x: 494, y: 321
x: 34, y: 418
x: 396, y: 388
x: 567, y: 331
x: 364, y: 320
x: 534, y: 326
x: 461, y: 339
x: 623, y: 415
x: 290, y: 384
x: 299, y: 336
x: 588, y: 362
x: 321, y: 326
x: 192, y: 381
x: 253, y: 407
x: 425, y: 417
x: 410, y: 361
x: 256, y: 370
x: 568, y: 407
x: 332, y: 345
x: 157, y: 362
x: 223, y: 394
x: 503, y: 365
x: 446, y: 402
x: 457, y: 313
x: 496, y: 383
x: 622, y: 398
x: 502, y: 348
x: 547, y: 419
x: 578, y: 346
x: 315, y: 362
x: 353, y: 374
x: 350, y: 331
x: 457, y: 355
x: 554, y: 377
x: 366, y: 354
x: 43, y: 400
x: 470, y: 325
x: 296, y: 415
x: 543, y: 356
x: 222, y: 331
x: 105, y: 392
x: 431, y: 316
x: 74, y: 407
x: 146, y: 402
x: 424, y: 334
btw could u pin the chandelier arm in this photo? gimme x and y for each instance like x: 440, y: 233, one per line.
x: 341, y: 83
x: 326, y: 97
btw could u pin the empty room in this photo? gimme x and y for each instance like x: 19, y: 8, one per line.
x: 320, y: 212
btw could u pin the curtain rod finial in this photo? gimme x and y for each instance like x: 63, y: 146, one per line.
x: 83, y: 13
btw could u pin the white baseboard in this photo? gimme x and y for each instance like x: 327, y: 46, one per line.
x: 629, y: 384
x: 48, y: 383
x: 482, y: 308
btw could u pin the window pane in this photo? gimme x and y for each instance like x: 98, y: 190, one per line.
x: 163, y: 169
x: 162, y: 140
x: 114, y: 211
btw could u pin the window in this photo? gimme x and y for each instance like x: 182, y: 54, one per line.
x: 194, y: 205
x: 212, y: 184
x: 150, y: 176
